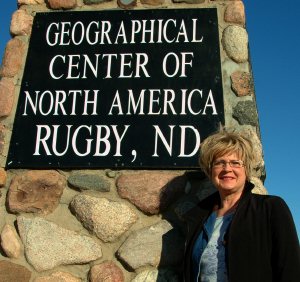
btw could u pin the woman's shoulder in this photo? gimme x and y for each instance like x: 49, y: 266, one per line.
x: 268, y: 199
x: 271, y: 202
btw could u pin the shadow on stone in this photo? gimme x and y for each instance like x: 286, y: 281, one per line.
x: 192, y: 190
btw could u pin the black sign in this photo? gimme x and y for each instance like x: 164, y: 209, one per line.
x: 117, y: 88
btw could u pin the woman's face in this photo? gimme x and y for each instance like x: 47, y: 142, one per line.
x: 228, y: 179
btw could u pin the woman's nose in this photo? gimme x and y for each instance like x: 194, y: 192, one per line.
x: 227, y: 166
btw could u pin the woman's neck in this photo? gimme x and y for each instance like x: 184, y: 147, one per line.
x: 228, y: 203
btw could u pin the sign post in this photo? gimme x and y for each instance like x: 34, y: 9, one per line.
x: 129, y: 89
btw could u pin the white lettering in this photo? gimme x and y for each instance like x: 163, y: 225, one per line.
x: 183, y: 128
x: 168, y: 145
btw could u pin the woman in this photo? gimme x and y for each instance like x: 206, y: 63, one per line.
x: 234, y: 235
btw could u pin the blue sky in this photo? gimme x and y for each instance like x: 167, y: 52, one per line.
x: 274, y: 48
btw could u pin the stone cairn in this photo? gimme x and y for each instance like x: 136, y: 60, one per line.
x: 109, y: 225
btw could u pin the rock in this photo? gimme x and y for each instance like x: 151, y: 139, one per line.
x: 205, y: 189
x: 111, y: 173
x: 7, y: 91
x: 158, y: 244
x: 2, y: 139
x: 201, y: 189
x: 48, y: 245
x: 35, y: 191
x: 245, y: 113
x: 155, y: 275
x: 108, y: 220
x: 62, y: 4
x: 30, y: 2
x: 58, y: 277
x: 126, y: 4
x: 21, y: 23
x: 153, y: 2
x: 2, y: 175
x: 91, y: 2
x: 88, y: 181
x: 13, y: 57
x: 189, y: 1
x: 235, y: 42
x: 259, y: 187
x: 259, y: 165
x: 241, y: 83
x: 151, y: 192
x: 11, y: 272
x: 106, y: 271
x: 235, y: 13
x: 10, y: 242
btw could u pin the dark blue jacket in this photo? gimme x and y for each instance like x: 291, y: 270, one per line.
x: 262, y: 242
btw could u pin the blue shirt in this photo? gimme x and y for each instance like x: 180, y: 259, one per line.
x: 208, y: 255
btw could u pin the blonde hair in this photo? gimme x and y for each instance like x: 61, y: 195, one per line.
x: 223, y: 143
